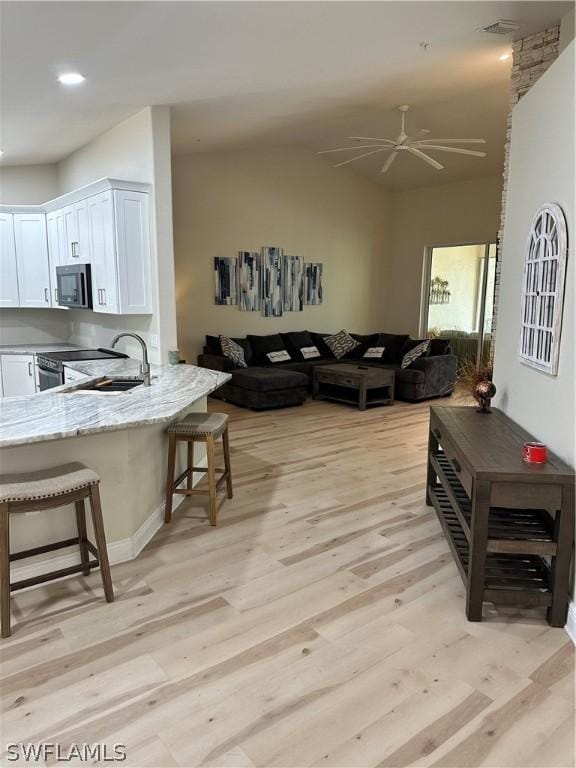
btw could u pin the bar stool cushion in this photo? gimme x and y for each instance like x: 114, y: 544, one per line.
x: 46, y: 483
x: 200, y: 425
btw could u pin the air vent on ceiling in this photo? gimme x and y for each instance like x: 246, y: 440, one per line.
x: 502, y: 27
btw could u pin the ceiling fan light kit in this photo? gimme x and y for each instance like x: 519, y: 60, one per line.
x: 417, y: 147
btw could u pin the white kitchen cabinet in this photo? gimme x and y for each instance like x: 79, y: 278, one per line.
x: 18, y: 377
x: 103, y: 253
x: 77, y: 233
x: 105, y: 224
x: 32, y: 259
x: 8, y: 270
x: 120, y: 252
x: 56, y: 230
x: 133, y: 252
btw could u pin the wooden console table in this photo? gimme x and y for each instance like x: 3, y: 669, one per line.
x: 510, y: 525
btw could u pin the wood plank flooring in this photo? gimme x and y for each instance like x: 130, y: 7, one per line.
x: 321, y: 624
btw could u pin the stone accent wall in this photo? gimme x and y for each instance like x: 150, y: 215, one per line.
x: 532, y: 56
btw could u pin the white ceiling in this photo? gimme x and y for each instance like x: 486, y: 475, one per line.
x: 246, y: 74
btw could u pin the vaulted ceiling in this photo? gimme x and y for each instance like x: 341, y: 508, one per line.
x: 250, y: 74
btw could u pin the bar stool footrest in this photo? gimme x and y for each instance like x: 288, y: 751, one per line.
x: 51, y: 575
x: 47, y: 548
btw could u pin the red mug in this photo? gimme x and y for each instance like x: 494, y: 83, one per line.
x: 535, y: 453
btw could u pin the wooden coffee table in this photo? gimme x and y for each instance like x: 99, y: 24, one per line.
x: 360, y: 385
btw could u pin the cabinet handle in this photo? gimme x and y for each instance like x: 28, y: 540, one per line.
x: 104, y: 296
x: 56, y: 295
x: 75, y: 253
x: 30, y: 369
x: 46, y: 297
x: 456, y: 465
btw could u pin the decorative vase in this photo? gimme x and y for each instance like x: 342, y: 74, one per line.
x: 484, y: 391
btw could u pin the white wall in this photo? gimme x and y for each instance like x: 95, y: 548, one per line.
x: 242, y: 200
x: 466, y: 211
x: 28, y: 184
x: 541, y: 170
x: 138, y: 149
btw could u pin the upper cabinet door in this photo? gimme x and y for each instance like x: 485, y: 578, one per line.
x: 8, y: 272
x: 56, y: 229
x: 77, y: 233
x: 103, y: 253
x: 32, y: 259
x: 133, y: 252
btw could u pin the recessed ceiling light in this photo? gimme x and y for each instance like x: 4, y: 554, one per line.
x: 504, y: 57
x: 71, y: 78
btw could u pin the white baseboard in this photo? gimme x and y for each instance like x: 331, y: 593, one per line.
x: 571, y: 622
x: 118, y: 551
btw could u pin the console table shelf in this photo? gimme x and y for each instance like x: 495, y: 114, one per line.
x: 510, y: 526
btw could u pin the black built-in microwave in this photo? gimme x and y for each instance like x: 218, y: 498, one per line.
x: 74, y: 285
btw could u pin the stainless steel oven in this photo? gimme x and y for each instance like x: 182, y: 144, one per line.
x: 74, y: 285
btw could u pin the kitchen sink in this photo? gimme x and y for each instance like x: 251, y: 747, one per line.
x: 110, y: 385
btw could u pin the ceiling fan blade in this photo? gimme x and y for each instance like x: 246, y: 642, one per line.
x: 389, y: 162
x: 459, y: 151
x: 453, y: 141
x: 356, y: 146
x: 358, y: 157
x: 426, y: 158
x: 371, y: 138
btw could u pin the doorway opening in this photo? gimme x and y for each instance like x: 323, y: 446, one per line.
x: 458, y: 298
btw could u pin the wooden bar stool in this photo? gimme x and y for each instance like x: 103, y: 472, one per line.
x: 48, y: 489
x: 201, y: 428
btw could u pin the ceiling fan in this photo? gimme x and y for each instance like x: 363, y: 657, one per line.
x: 404, y: 143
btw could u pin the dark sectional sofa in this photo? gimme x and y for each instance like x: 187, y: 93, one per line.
x: 264, y: 385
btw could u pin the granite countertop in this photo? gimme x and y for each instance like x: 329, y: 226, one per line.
x: 36, y: 349
x: 67, y: 411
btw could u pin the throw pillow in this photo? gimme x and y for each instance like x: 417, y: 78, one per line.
x: 308, y: 353
x: 281, y: 356
x: 233, y: 351
x: 261, y: 345
x: 375, y: 352
x: 393, y: 343
x: 319, y: 341
x: 420, y: 350
x: 295, y: 341
x: 341, y: 343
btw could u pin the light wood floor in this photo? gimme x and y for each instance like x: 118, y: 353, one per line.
x: 321, y: 624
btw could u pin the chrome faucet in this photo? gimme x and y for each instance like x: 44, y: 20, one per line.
x: 144, y: 365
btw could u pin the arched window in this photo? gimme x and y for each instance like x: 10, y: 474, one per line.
x: 543, y: 289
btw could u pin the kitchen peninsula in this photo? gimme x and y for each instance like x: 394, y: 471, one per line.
x: 121, y: 435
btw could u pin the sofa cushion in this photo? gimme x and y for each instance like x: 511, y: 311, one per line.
x: 439, y: 347
x: 393, y: 343
x: 341, y: 343
x: 413, y: 350
x: 260, y: 379
x: 214, y: 347
x: 319, y: 342
x: 263, y: 345
x: 365, y: 341
x: 410, y: 376
x: 233, y: 351
x: 301, y: 345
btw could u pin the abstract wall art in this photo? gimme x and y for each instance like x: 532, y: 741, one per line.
x: 250, y: 279
x: 293, y: 278
x: 225, y: 280
x: 313, y: 284
x: 271, y: 292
